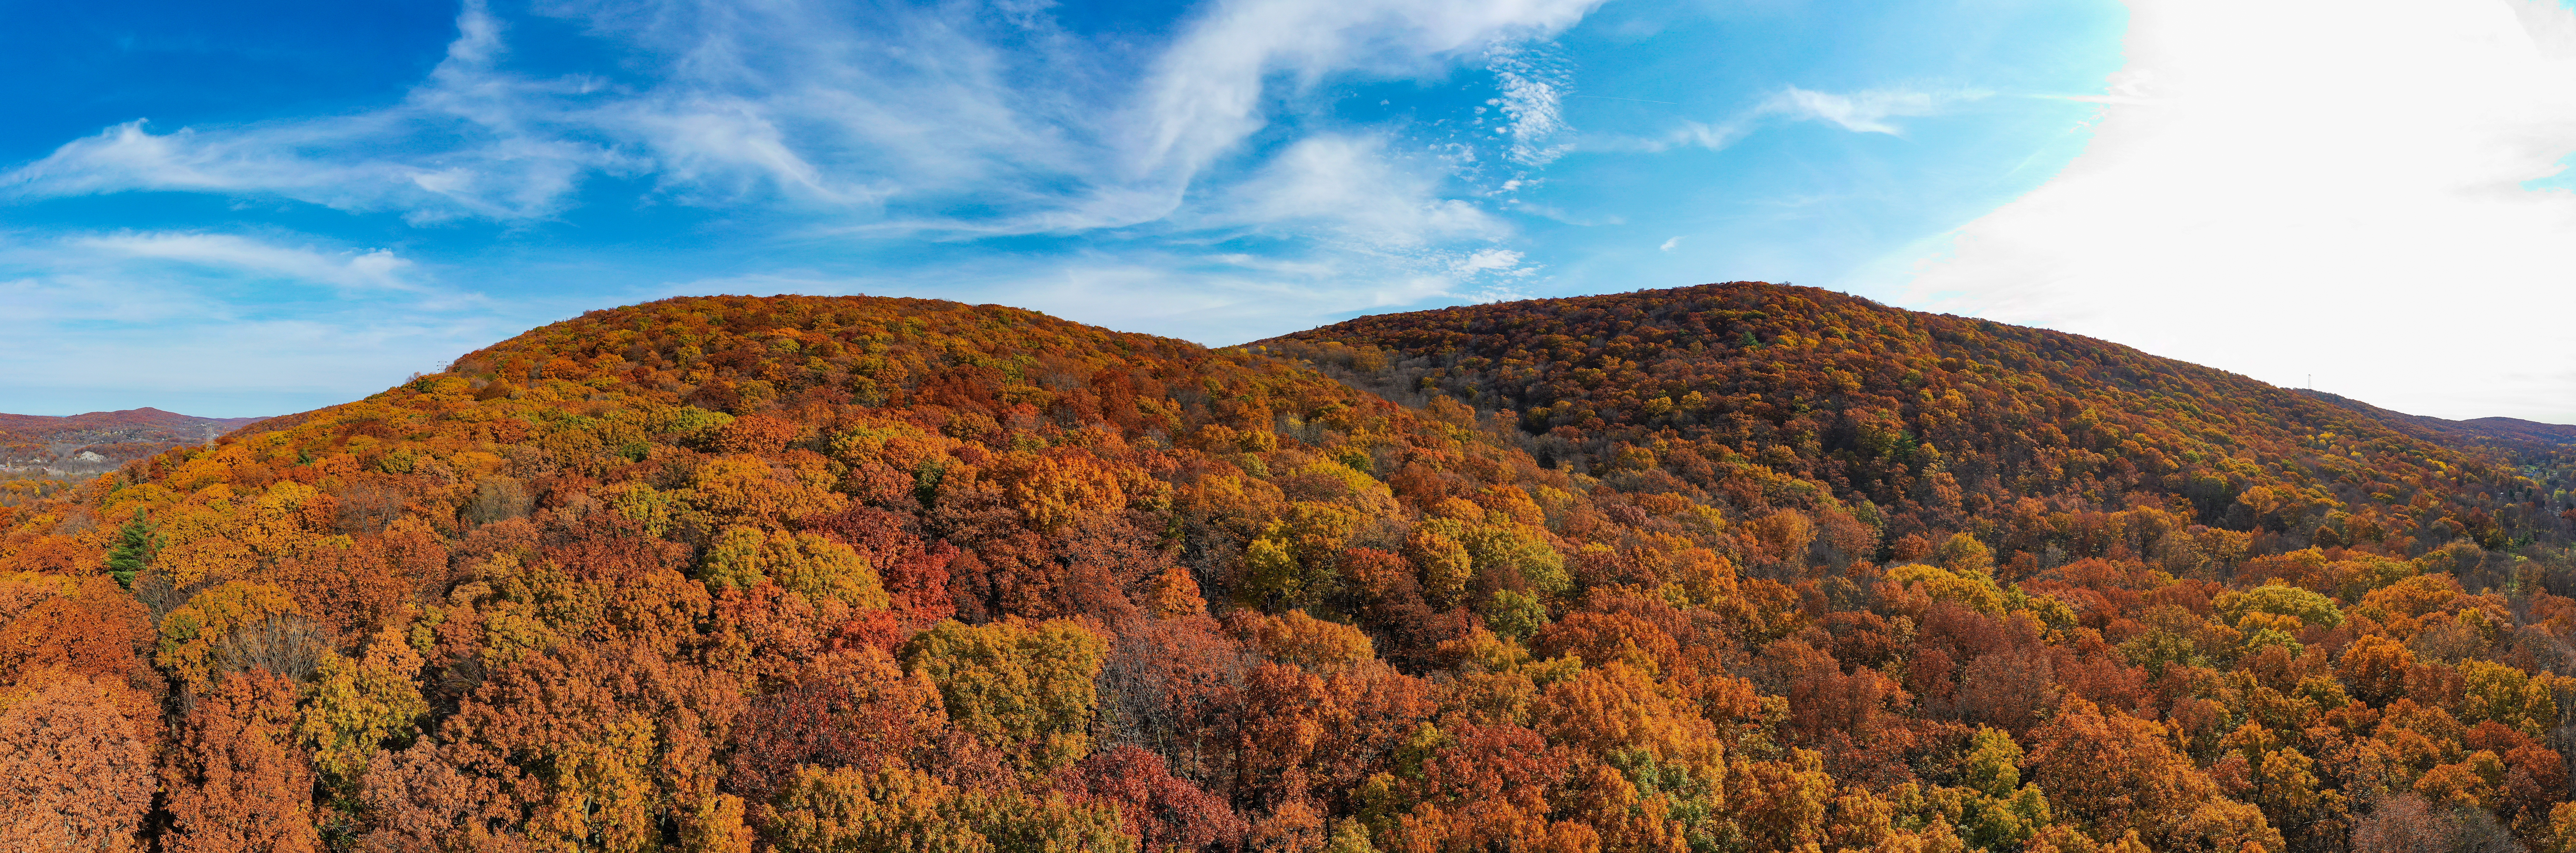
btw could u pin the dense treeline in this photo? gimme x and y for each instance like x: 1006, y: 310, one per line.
x: 1775, y: 396
x: 15, y: 491
x: 810, y: 574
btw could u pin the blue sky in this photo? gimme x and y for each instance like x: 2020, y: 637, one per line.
x: 284, y: 205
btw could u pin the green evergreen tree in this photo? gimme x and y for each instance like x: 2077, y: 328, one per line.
x: 135, y: 546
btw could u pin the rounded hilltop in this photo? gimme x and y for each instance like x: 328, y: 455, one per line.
x: 1939, y: 422
x: 1740, y: 567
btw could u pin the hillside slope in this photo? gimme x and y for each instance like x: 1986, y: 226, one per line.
x: 1768, y: 395
x: 834, y: 574
x: 723, y: 573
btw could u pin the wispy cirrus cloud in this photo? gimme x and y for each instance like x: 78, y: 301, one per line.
x: 1355, y: 189
x: 497, y: 153
x: 900, y: 127
x: 1226, y: 170
x: 360, y: 269
x: 890, y: 125
x: 878, y: 119
x: 1863, y: 111
x: 947, y: 122
x: 1870, y: 111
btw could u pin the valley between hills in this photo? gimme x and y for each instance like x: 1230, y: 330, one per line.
x: 1736, y: 567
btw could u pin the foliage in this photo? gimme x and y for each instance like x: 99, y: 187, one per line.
x: 1027, y: 689
x: 1769, y: 396
x: 78, y: 775
x: 1733, y: 568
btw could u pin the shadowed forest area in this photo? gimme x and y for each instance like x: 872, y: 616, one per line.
x: 1738, y: 567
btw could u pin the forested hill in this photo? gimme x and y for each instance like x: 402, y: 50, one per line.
x: 1916, y: 423
x: 809, y: 574
x: 852, y: 574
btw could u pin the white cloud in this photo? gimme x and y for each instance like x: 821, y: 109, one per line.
x: 225, y: 321
x: 1669, y: 244
x: 366, y: 269
x: 500, y: 158
x: 1356, y: 189
x: 843, y: 110
x: 2336, y: 188
x: 886, y: 122
x: 1204, y: 95
x: 726, y: 144
x: 1489, y: 260
x: 877, y: 121
x: 1533, y: 91
x: 1866, y: 111
x: 1713, y: 137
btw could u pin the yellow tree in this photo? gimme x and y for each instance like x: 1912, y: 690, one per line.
x: 1025, y: 689
x: 353, y: 706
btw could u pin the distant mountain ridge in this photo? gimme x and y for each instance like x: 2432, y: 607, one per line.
x: 2533, y: 430
x: 94, y: 442
x: 2474, y: 430
x: 145, y: 418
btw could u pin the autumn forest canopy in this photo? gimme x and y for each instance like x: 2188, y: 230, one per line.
x: 1738, y: 567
